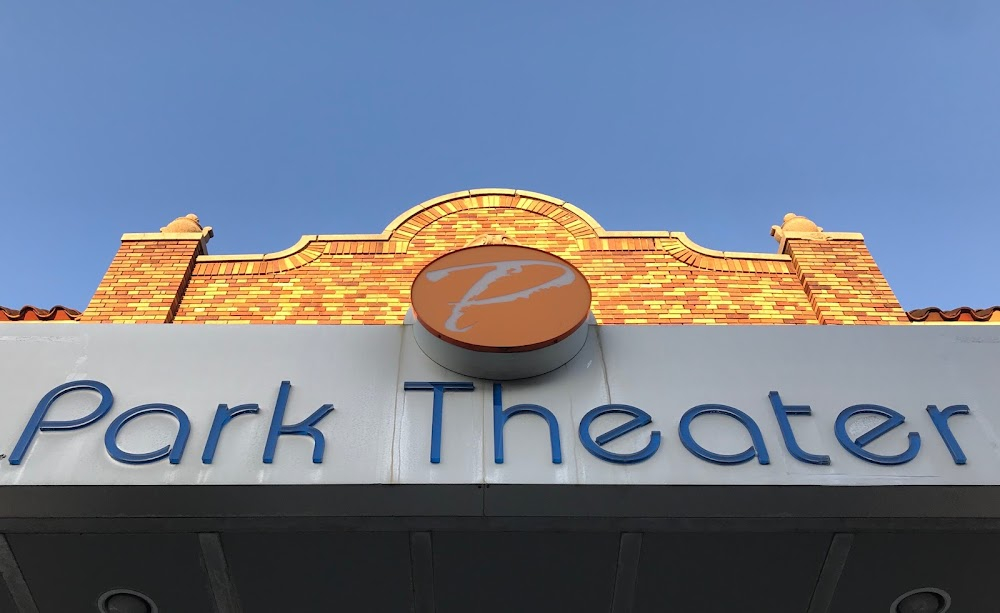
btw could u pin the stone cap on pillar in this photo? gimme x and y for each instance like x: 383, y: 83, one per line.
x: 799, y: 227
x: 181, y: 229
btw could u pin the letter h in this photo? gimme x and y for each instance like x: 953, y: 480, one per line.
x: 501, y: 415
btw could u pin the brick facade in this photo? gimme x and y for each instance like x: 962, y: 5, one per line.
x: 636, y: 277
x: 843, y: 283
x: 146, y: 281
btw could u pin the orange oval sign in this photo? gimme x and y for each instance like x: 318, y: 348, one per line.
x: 501, y: 298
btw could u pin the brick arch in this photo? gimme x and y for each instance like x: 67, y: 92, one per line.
x: 464, y: 227
x: 577, y: 222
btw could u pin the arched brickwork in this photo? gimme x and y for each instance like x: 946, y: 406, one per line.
x: 576, y: 222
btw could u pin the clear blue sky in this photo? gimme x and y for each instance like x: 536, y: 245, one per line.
x: 275, y: 119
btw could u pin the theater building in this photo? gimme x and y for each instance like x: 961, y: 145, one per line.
x: 497, y: 405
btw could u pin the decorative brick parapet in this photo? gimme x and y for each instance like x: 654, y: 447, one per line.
x: 644, y: 277
x: 636, y: 277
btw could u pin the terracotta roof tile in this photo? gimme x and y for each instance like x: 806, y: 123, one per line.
x: 960, y: 314
x: 30, y: 313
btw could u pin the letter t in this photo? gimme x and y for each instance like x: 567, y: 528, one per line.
x: 439, y: 388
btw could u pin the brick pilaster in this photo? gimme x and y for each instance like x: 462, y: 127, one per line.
x: 147, y: 278
x: 841, y: 279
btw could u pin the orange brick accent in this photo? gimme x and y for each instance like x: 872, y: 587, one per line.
x: 145, y: 282
x: 843, y: 283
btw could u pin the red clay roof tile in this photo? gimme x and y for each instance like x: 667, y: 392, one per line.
x: 959, y: 314
x: 30, y: 313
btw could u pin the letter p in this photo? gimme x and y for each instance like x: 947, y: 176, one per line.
x: 37, y: 423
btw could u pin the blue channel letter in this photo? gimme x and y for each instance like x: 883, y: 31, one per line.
x: 781, y: 413
x: 595, y: 446
x: 940, y: 419
x: 306, y: 427
x: 501, y: 415
x: 223, y: 415
x: 175, y: 452
x: 857, y: 446
x: 37, y: 422
x: 756, y: 448
x: 439, y: 388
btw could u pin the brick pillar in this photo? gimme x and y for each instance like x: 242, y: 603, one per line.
x: 839, y: 275
x: 148, y: 276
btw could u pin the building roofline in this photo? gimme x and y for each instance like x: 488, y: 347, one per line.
x: 395, y: 229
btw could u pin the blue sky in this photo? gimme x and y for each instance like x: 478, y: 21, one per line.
x: 275, y: 119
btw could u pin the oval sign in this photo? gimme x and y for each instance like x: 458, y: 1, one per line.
x: 500, y: 298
